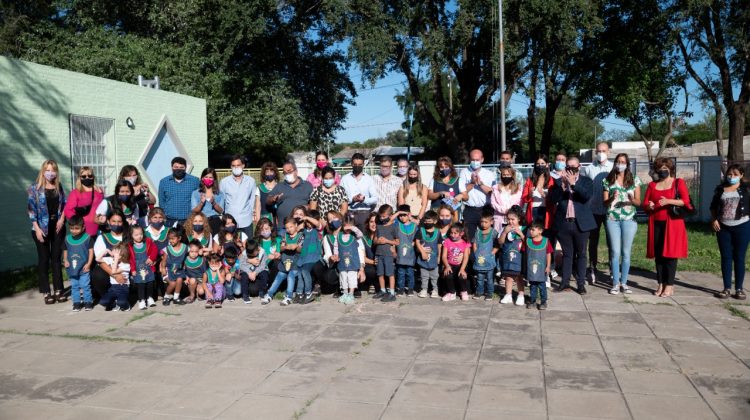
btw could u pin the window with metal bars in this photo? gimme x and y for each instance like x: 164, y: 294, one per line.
x: 92, y: 143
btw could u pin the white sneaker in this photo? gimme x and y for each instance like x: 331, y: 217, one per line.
x: 615, y: 291
x: 548, y: 284
x: 520, y: 301
x: 265, y: 300
x: 553, y: 274
x: 507, y: 299
x: 286, y: 302
x: 141, y: 304
x: 150, y: 302
x: 626, y: 290
x: 422, y: 294
x: 434, y: 294
x: 449, y: 297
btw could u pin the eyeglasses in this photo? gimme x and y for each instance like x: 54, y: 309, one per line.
x: 87, y: 176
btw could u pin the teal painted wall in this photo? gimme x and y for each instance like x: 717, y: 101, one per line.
x: 35, y: 104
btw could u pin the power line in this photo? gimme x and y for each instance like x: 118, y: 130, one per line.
x: 372, y: 125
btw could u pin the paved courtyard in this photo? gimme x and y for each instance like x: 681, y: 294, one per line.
x: 599, y: 356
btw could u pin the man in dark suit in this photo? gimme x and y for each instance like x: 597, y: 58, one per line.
x: 573, y: 221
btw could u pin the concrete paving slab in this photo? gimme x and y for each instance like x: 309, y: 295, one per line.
x: 581, y: 379
x: 360, y: 390
x: 500, y: 400
x: 510, y: 375
x: 655, y: 383
x: 672, y: 408
x: 577, y: 404
x: 442, y: 395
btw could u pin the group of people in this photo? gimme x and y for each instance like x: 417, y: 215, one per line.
x: 201, y: 238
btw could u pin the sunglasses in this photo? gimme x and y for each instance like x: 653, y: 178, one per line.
x: 87, y: 176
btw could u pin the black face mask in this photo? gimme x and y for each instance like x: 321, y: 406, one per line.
x: 445, y: 172
x: 157, y: 225
x: 383, y: 220
x: 539, y: 169
x: 230, y: 229
x: 178, y: 173
x: 429, y: 225
x: 506, y: 180
x: 413, y: 180
x: 198, y: 228
x: 115, y: 228
x: 270, y: 177
x: 356, y: 170
x: 298, y: 220
x: 663, y: 174
x: 87, y: 182
x: 445, y: 222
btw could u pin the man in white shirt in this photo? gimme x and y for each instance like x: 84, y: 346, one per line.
x: 360, y: 189
x: 597, y: 172
x: 475, y: 183
x: 387, y: 184
x: 239, y: 195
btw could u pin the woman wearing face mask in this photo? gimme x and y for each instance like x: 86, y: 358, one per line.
x: 505, y: 195
x: 667, y: 236
x: 535, y: 190
x: 229, y: 235
x: 622, y: 195
x: 46, y: 201
x: 114, y: 231
x: 124, y: 200
x: 84, y: 200
x: 270, y: 178
x: 443, y: 187
x: 208, y: 199
x: 413, y: 193
x: 143, y: 197
x: 730, y: 219
x: 328, y: 195
x: 446, y: 217
x: 316, y: 176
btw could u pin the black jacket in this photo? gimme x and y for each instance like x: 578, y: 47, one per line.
x: 581, y: 195
x: 743, y: 209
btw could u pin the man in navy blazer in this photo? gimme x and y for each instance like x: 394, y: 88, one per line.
x: 573, y: 222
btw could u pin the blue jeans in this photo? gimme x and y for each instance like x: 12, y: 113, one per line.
x: 540, y: 288
x: 118, y: 293
x: 82, y: 282
x: 304, y: 283
x: 404, y: 276
x: 484, y: 279
x: 232, y: 287
x: 280, y: 277
x: 733, y: 241
x: 621, y: 234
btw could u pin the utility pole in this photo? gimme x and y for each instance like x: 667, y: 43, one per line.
x: 502, y: 78
x: 450, y: 92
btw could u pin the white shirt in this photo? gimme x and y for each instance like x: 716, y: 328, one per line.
x: 100, y: 248
x: 597, y: 172
x: 365, y: 186
x: 123, y: 266
x: 477, y: 197
x: 239, y: 199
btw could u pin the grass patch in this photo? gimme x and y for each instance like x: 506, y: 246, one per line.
x: 703, y: 250
x: 167, y: 313
x: 84, y: 337
x: 302, y: 411
x: 138, y: 317
x: 735, y: 311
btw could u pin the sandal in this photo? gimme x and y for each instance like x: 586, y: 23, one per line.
x: 740, y: 294
x: 48, y: 299
x: 60, y: 296
x: 188, y: 300
x: 724, y: 294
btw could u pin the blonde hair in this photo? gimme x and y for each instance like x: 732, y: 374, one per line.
x: 81, y: 170
x: 513, y: 184
x: 412, y: 167
x: 40, y: 179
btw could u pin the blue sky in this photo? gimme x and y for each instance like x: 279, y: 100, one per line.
x: 376, y: 112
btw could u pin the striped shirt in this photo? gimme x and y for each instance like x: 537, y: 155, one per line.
x: 387, y: 190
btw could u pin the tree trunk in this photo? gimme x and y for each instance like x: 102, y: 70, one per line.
x: 531, y: 115
x: 551, y: 103
x: 719, y: 128
x: 736, y: 115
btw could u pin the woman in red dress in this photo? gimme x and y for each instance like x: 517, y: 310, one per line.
x: 667, y: 236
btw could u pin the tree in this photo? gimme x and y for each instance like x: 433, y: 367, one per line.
x: 715, y: 32
x: 437, y: 38
x: 259, y: 103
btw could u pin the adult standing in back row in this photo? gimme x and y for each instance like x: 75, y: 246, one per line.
x: 289, y: 194
x: 597, y: 171
x: 475, y: 183
x: 360, y: 189
x: 176, y: 191
x: 239, y: 196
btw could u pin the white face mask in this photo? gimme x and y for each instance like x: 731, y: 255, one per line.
x: 475, y: 164
x: 602, y: 156
x: 236, y: 171
x: 621, y: 167
x: 131, y: 179
x: 290, y: 178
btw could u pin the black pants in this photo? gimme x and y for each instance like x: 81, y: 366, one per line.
x: 666, y: 268
x: 573, y: 244
x: 454, y: 283
x: 49, y: 253
x: 145, y: 290
x: 99, y: 282
x: 259, y: 287
x: 371, y: 278
x: 471, y: 220
x: 594, y: 240
x: 327, y: 277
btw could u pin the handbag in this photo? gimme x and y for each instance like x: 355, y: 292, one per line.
x: 83, y: 211
x: 682, y: 211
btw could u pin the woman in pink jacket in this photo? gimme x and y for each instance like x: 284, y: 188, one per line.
x: 505, y: 195
x: 84, y: 199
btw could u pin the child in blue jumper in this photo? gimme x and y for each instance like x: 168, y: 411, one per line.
x: 406, y: 258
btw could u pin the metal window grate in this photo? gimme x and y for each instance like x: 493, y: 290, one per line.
x: 92, y: 144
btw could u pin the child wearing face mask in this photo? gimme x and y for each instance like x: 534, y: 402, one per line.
x: 511, y: 241
x: 429, y: 244
x: 195, y: 269
x: 269, y: 241
x: 229, y: 235
x: 173, y: 266
x: 386, y: 241
x: 157, y: 232
x: 116, y: 297
x: 143, y: 259
x: 253, y: 271
x: 269, y: 180
x: 214, y: 283
x: 455, y: 257
x: 413, y: 193
x: 406, y: 257
x: 310, y: 254
x: 446, y: 217
x: 350, y: 259
x: 290, y: 248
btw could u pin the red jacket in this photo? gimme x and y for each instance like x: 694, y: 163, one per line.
x: 527, y: 198
x: 151, y: 251
x: 675, y: 237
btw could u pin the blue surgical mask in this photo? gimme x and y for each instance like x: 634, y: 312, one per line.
x: 230, y: 229
x: 335, y: 224
x: 475, y: 164
x: 733, y: 180
x: 328, y: 182
x: 115, y: 228
x: 559, y: 166
x: 123, y: 198
x: 157, y: 225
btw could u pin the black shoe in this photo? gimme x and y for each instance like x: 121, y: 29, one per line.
x: 582, y: 290
x: 530, y: 305
x: 309, y: 299
x: 336, y: 294
x: 77, y: 307
x: 296, y: 299
x: 357, y: 294
x: 388, y: 298
x: 229, y: 298
x: 379, y: 295
x: 166, y: 301
x: 316, y: 290
x: 562, y: 288
x: 88, y: 306
x: 543, y: 306
x: 409, y: 292
x: 401, y: 292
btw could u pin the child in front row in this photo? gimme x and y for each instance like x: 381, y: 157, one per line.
x: 310, y: 252
x: 143, y: 256
x: 386, y: 241
x: 485, y: 248
x: 78, y: 255
x: 428, y: 242
x: 511, y: 240
x: 351, y: 258
x: 214, y: 283
x: 173, y: 266
x: 290, y: 245
x: 253, y: 269
x: 455, y: 257
x: 119, y: 279
x: 195, y: 268
x: 538, y: 258
x: 406, y: 257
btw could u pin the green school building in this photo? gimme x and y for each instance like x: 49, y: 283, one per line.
x: 81, y: 120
